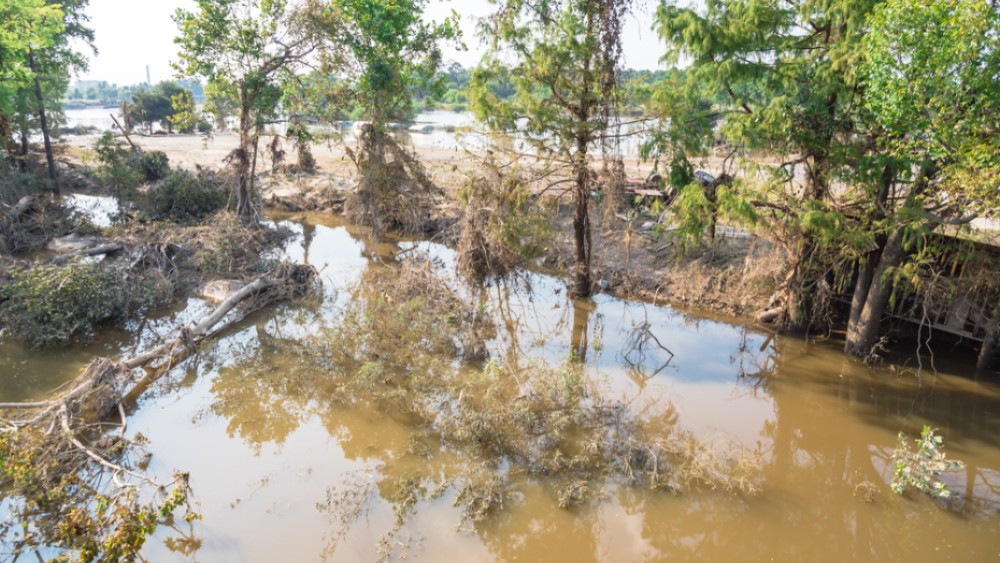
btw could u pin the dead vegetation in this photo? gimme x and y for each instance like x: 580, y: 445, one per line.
x: 28, y: 219
x: 394, y: 192
x: 503, y: 228
x: 395, y: 351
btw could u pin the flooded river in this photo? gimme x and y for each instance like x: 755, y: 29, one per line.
x: 284, y: 469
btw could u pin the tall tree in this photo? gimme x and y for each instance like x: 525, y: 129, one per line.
x: 932, y: 90
x: 155, y: 105
x: 385, y: 52
x: 244, y: 49
x: 41, y: 39
x: 24, y: 26
x: 779, y: 77
x: 563, y: 57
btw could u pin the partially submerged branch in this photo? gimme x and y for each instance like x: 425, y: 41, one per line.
x: 57, y: 475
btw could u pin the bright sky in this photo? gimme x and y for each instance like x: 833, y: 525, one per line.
x: 131, y: 34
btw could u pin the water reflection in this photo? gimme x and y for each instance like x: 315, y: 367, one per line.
x: 273, y: 443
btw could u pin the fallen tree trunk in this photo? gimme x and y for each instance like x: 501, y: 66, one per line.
x: 99, y: 250
x: 24, y: 205
x: 770, y: 315
x: 101, y: 387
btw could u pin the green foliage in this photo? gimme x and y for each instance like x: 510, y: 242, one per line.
x: 698, y: 209
x: 156, y: 105
x: 394, y: 51
x: 563, y: 71
x: 122, y: 168
x: 693, y: 213
x: 49, y: 304
x: 185, y: 115
x: 931, y: 72
x: 220, y: 105
x: 38, y: 42
x: 117, y: 167
x: 153, y: 165
x: 920, y: 469
x: 186, y: 197
x: 57, y: 501
x: 563, y: 60
x: 24, y: 25
x: 245, y: 49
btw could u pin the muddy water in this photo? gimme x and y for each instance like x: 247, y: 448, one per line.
x: 283, y: 471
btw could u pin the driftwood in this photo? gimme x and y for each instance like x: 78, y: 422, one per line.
x: 100, y: 389
x: 99, y: 250
x: 24, y: 205
x: 771, y: 315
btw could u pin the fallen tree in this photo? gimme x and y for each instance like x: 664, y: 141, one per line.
x: 56, y: 464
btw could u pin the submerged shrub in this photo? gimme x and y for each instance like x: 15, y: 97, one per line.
x: 920, y: 469
x: 409, y: 345
x: 186, y: 197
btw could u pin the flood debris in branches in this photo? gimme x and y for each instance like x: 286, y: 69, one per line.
x: 559, y: 422
x: 394, y: 192
x: 503, y: 227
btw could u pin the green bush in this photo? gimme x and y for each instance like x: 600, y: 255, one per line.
x: 48, y: 304
x: 186, y: 197
x: 123, y: 168
x: 154, y: 165
x: 116, y: 168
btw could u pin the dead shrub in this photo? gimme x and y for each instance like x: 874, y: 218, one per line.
x: 28, y: 219
x: 394, y: 192
x: 229, y: 248
x: 502, y: 228
x: 400, y: 348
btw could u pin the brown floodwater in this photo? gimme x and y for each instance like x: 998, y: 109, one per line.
x: 282, y: 470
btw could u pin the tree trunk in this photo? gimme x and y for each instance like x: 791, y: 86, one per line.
x: 43, y: 121
x: 796, y: 296
x: 865, y: 333
x: 581, y: 222
x: 22, y: 156
x: 866, y: 271
x: 7, y: 136
x: 989, y: 342
x: 244, y: 191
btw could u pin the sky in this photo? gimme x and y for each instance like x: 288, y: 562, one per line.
x: 131, y: 34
